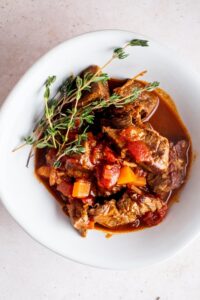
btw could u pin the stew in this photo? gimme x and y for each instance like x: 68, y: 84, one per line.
x: 113, y: 152
x: 129, y: 174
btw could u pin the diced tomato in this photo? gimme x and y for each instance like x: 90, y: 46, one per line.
x: 89, y: 200
x: 65, y: 188
x: 139, y: 150
x: 154, y: 218
x: 109, y: 155
x: 108, y: 175
x: 128, y: 133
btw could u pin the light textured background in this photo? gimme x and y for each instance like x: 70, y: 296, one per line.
x: 27, y: 30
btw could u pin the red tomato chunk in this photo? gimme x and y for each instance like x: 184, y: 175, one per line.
x: 139, y: 150
x: 108, y: 175
x: 109, y: 155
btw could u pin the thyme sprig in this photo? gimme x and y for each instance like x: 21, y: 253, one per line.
x: 63, y: 115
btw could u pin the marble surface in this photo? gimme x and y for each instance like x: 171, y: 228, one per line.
x: 27, y: 30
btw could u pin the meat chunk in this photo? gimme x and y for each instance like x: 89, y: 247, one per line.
x: 55, y: 176
x: 65, y: 188
x: 174, y: 177
x: 140, y: 110
x: 117, y: 117
x: 78, y: 213
x: 103, y: 192
x: 108, y: 215
x: 85, y: 158
x: 98, y: 90
x: 127, y: 210
x: 75, y: 169
x: 148, y: 148
x: 50, y: 157
x: 44, y: 171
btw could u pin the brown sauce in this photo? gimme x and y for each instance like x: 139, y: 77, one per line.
x: 165, y: 120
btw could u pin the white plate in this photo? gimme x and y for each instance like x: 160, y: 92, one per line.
x: 35, y: 209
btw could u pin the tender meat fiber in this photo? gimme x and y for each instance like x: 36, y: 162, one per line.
x: 78, y: 213
x: 146, y: 146
x: 98, y: 90
x: 75, y: 169
x: 140, y: 110
x: 127, y: 210
x: 174, y: 177
x: 65, y: 188
x: 89, y: 145
x: 55, y: 176
x: 51, y: 157
x: 108, y: 192
x: 114, y: 134
x: 118, y: 117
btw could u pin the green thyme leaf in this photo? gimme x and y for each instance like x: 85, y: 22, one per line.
x: 152, y: 86
x: 138, y: 42
x: 78, y: 94
x: 120, y: 53
x: 29, y: 140
x: 79, y: 82
x: 63, y: 114
x: 57, y: 164
x: 50, y: 80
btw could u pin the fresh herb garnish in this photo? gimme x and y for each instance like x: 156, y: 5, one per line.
x: 63, y: 116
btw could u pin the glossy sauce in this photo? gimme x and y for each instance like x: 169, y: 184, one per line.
x: 165, y: 120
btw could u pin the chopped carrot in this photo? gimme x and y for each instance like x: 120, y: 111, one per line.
x: 81, y: 189
x: 128, y: 176
x: 44, y: 171
x: 91, y: 224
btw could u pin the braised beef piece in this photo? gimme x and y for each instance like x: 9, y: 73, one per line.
x: 174, y: 177
x: 74, y: 169
x: 78, y: 213
x: 145, y: 145
x: 137, y: 112
x: 103, y: 192
x: 144, y: 106
x: 99, y: 90
x: 50, y: 157
x: 86, y: 158
x: 127, y: 210
x: 117, y: 117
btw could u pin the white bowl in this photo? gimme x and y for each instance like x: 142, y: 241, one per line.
x: 35, y: 209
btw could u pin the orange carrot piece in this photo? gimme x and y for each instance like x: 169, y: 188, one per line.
x: 128, y: 176
x: 81, y: 189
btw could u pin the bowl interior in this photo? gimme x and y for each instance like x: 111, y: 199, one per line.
x: 35, y: 209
